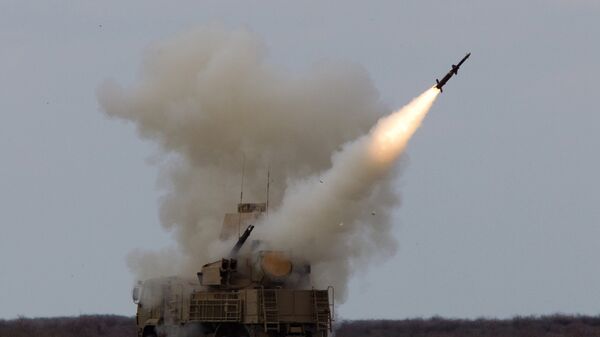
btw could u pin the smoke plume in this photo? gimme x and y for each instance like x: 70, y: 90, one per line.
x: 340, y: 219
x: 209, y: 99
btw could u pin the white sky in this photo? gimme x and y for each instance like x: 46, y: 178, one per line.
x: 500, y: 212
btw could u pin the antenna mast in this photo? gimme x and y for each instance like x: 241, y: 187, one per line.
x: 241, y: 195
x: 243, y: 172
x: 268, y: 183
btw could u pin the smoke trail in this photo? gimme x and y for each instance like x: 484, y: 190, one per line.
x: 331, y: 219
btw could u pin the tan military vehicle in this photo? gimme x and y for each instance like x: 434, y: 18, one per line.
x: 259, y: 292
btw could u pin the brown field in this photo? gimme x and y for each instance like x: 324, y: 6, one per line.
x: 120, y: 326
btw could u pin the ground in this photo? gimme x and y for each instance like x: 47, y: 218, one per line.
x: 121, y: 326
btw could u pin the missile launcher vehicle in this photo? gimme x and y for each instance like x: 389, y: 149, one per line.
x: 253, y: 292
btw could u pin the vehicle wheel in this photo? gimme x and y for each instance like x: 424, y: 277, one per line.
x: 232, y: 330
x: 149, y: 331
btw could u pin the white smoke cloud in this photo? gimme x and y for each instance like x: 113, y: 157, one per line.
x: 208, y: 98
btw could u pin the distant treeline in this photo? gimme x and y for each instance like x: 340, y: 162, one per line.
x: 120, y: 326
x: 82, y: 326
x: 547, y: 326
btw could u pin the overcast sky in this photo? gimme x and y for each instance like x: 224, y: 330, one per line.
x: 500, y: 207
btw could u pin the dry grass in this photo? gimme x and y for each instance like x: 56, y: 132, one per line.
x: 82, y: 326
x: 119, y: 326
x: 547, y: 326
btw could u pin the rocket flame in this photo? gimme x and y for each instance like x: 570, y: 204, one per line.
x: 391, y: 133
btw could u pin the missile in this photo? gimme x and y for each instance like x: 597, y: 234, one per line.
x: 452, y: 72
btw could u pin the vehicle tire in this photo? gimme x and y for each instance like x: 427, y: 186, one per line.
x: 232, y: 330
x: 149, y: 331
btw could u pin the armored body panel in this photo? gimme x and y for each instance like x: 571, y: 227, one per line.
x: 168, y: 305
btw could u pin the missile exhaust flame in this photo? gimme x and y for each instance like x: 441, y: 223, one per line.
x: 391, y: 133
